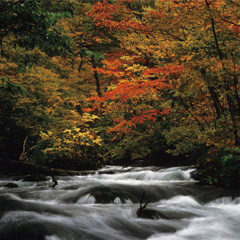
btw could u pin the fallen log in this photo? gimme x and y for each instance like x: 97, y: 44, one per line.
x: 13, y: 168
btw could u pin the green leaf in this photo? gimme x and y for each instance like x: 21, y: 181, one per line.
x: 98, y: 55
x: 95, y: 55
x: 89, y: 53
x: 226, y: 159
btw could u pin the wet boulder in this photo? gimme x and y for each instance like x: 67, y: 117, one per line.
x: 144, y: 212
x: 104, y: 196
x: 150, y: 213
x: 11, y: 185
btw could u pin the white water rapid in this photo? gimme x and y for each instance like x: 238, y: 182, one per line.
x: 103, y: 206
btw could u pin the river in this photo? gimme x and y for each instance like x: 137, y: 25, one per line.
x: 103, y: 206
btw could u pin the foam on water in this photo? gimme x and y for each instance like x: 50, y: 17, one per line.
x: 175, y: 174
x: 181, y: 201
x: 86, y: 199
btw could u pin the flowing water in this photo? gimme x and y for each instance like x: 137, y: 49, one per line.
x: 103, y: 206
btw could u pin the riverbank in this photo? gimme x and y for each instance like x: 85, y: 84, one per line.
x: 15, y: 168
x: 215, y: 172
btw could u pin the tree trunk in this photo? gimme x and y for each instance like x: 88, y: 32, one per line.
x: 236, y: 92
x: 216, y: 102
x: 233, y: 117
x: 10, y: 167
x: 98, y: 88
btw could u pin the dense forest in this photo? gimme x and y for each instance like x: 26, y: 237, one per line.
x: 88, y: 83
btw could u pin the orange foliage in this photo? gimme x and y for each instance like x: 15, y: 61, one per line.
x: 147, y: 115
x: 103, y: 14
x: 124, y: 127
x: 167, y: 70
x: 131, y: 83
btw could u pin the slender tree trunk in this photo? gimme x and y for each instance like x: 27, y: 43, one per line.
x: 98, y: 88
x: 190, y: 112
x: 214, y: 33
x: 216, y: 102
x: 80, y: 66
x: 24, y: 149
x: 233, y: 117
x: 236, y: 92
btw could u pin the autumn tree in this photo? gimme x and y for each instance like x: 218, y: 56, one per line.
x: 136, y: 89
x: 130, y: 79
x: 90, y: 41
x: 205, y: 43
x: 33, y: 90
x: 185, y: 53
